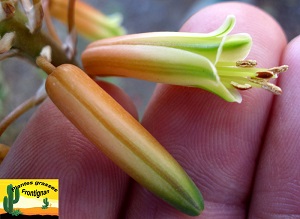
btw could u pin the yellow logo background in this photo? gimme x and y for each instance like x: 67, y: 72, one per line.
x: 34, y: 193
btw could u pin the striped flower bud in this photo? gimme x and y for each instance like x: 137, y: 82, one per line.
x: 119, y: 136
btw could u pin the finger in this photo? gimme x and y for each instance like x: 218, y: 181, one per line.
x: 90, y: 185
x: 216, y: 142
x: 277, y: 187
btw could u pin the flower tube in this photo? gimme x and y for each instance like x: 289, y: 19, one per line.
x: 119, y: 136
x: 212, y: 61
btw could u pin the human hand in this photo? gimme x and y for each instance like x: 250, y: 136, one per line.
x: 243, y: 157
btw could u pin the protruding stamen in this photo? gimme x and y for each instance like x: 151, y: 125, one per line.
x: 240, y: 86
x: 246, y: 63
x: 280, y: 69
x: 272, y: 87
x: 265, y: 74
x: 266, y: 85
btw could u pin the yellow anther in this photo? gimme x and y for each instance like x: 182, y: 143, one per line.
x: 273, y: 88
x: 280, y: 69
x: 240, y: 86
x: 246, y: 63
x: 266, y: 85
x: 265, y: 74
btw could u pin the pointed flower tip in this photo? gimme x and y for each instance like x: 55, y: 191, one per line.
x: 212, y: 61
x: 226, y: 27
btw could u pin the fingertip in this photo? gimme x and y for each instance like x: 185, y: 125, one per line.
x: 291, y: 54
x: 290, y: 79
x: 279, y: 159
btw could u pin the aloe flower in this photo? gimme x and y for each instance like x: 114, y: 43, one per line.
x: 212, y: 61
x: 89, y: 22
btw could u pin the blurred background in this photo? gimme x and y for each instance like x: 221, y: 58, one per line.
x: 19, y: 80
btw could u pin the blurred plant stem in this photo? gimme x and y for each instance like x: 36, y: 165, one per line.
x: 29, y: 45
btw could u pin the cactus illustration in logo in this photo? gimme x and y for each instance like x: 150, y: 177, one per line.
x: 12, y: 198
x: 46, y: 203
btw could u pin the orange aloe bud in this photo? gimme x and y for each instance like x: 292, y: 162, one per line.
x: 89, y: 22
x: 119, y: 136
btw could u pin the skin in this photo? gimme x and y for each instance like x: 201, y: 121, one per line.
x: 243, y: 157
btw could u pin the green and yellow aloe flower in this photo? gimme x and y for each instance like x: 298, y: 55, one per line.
x: 212, y: 61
